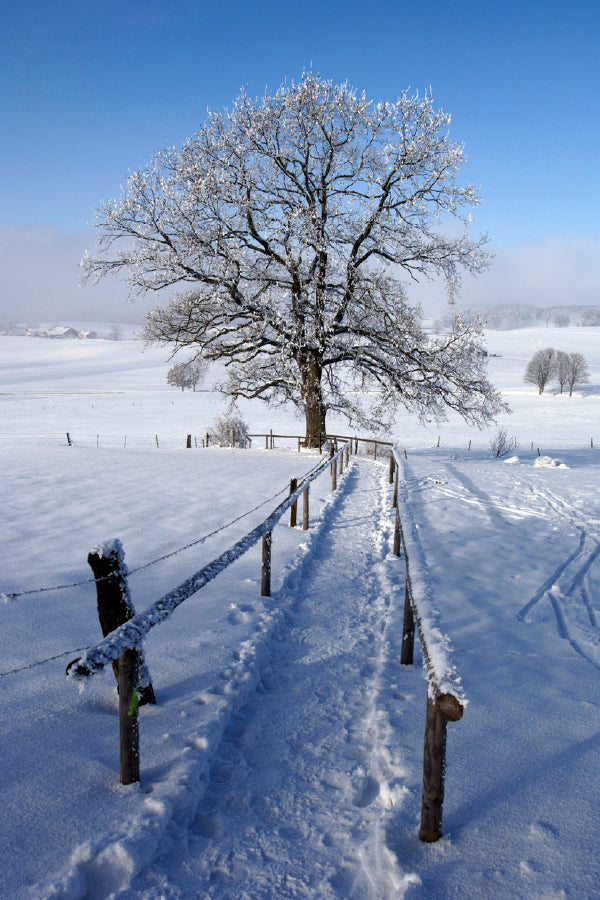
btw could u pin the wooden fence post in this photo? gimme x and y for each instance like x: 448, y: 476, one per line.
x: 265, y: 580
x: 395, y: 500
x: 294, y: 506
x: 440, y: 710
x: 341, y: 463
x: 408, y: 629
x: 129, y: 732
x: 434, y: 759
x: 115, y: 607
x: 396, y: 545
x: 189, y: 442
x: 392, y: 467
x: 333, y: 468
x: 305, y: 511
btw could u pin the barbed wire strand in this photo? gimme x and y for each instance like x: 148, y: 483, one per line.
x: 41, y: 662
x: 10, y: 596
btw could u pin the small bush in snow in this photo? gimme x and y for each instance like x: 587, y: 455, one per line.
x: 227, y: 430
x: 501, y: 445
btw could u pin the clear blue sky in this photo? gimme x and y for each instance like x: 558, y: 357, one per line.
x: 92, y: 90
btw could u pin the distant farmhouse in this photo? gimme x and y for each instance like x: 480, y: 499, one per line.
x: 61, y: 332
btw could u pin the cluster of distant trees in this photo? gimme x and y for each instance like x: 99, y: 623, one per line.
x: 568, y: 369
x: 509, y: 316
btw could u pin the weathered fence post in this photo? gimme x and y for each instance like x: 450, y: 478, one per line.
x: 341, y: 463
x: 440, y: 710
x: 434, y: 757
x: 392, y: 467
x: 265, y: 579
x: 333, y: 468
x: 129, y: 732
x: 395, y: 500
x: 115, y: 607
x: 305, y: 511
x: 294, y: 506
x: 396, y: 545
x: 188, y: 443
x: 408, y: 629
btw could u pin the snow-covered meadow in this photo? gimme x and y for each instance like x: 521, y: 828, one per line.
x: 263, y: 774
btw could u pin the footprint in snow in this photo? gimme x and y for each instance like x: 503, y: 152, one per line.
x: 368, y: 792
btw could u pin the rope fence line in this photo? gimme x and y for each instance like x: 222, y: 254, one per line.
x: 131, y: 633
x: 12, y: 596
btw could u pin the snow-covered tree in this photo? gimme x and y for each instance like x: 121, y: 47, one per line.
x: 228, y: 429
x: 563, y: 365
x: 541, y: 368
x: 295, y: 221
x: 187, y: 374
x: 576, y: 371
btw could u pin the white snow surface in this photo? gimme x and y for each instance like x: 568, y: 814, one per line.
x: 284, y: 755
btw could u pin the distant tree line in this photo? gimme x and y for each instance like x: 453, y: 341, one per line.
x: 509, y: 316
x: 568, y: 369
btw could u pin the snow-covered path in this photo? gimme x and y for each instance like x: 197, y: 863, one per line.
x: 306, y: 779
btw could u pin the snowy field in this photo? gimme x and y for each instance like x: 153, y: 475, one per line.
x: 284, y: 756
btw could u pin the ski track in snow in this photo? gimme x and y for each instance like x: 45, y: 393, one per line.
x: 306, y: 780
x: 567, y: 589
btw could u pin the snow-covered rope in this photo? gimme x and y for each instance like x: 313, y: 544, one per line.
x: 443, y: 679
x: 131, y: 633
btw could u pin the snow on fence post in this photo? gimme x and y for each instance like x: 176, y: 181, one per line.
x: 294, y: 506
x: 333, y: 470
x: 129, y: 730
x: 445, y: 697
x: 265, y: 577
x: 115, y: 607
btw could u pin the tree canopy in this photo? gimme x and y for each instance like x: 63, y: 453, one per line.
x: 290, y: 227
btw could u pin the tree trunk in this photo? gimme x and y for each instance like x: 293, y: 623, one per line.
x: 311, y: 371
